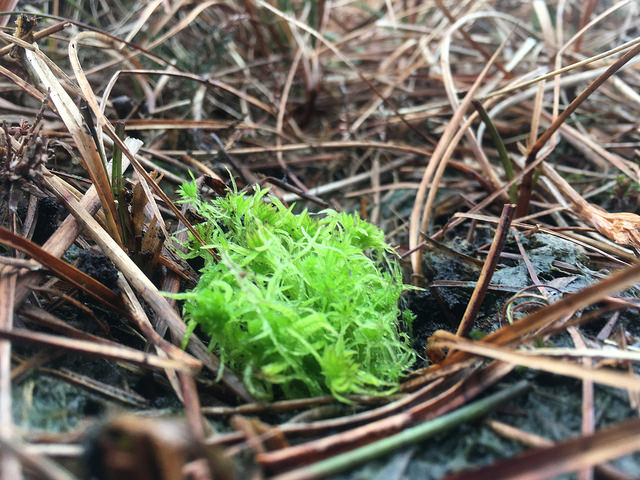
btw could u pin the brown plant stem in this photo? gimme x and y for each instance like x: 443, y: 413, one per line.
x: 473, y: 307
x: 526, y: 184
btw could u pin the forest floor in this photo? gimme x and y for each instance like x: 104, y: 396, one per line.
x: 493, y: 145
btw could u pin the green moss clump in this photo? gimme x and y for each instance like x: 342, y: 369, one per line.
x: 294, y: 300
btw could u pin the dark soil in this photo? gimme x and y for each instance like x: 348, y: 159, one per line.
x: 99, y: 267
x: 47, y: 221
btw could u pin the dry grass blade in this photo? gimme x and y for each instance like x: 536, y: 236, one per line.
x: 164, y: 124
x: 45, y: 32
x: 619, y: 281
x: 140, y: 282
x: 78, y: 129
x: 93, y: 104
x: 162, y: 346
x: 38, y: 464
x: 452, y: 95
x: 488, y: 268
x: 96, y: 350
x: 525, y: 187
x: 290, y: 20
x: 119, y: 395
x: 206, y: 81
x: 442, y: 339
x: 148, y: 183
x: 588, y: 400
x: 9, y: 467
x: 394, y: 147
x: 470, y: 39
x: 443, y: 402
x: 524, y: 328
x: 184, y: 23
x: 622, y: 227
x: 424, y: 431
x: 356, y: 106
x: 422, y: 210
x: 563, y: 457
x: 67, y: 232
x: 64, y: 270
x: 43, y: 318
x: 16, y: 79
x: 553, y: 73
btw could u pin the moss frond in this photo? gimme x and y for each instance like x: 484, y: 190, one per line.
x: 306, y: 303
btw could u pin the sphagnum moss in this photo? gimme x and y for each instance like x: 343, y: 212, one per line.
x: 307, y: 303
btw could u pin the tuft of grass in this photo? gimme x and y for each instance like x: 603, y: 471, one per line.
x: 307, y: 303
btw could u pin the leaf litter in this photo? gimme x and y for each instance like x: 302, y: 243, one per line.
x: 367, y: 108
